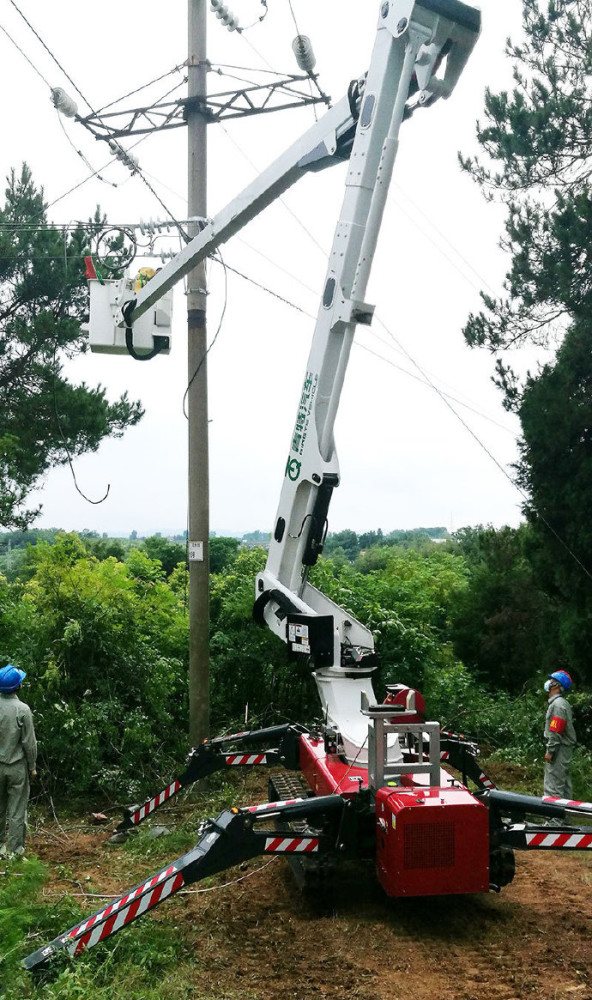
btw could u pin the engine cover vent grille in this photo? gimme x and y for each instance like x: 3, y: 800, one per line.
x: 429, y: 845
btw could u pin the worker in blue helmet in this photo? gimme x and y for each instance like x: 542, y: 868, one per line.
x: 18, y: 761
x: 560, y: 736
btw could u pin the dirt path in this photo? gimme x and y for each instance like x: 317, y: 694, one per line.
x: 260, y: 940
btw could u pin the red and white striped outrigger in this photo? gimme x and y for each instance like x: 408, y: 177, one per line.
x: 509, y: 807
x: 332, y: 826
x: 215, y: 755
x: 226, y: 841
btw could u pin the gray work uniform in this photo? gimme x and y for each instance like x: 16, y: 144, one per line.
x: 18, y: 756
x: 560, y: 740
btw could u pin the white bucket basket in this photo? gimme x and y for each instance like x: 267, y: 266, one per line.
x: 106, y: 336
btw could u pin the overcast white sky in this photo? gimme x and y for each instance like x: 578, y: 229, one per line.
x: 406, y: 459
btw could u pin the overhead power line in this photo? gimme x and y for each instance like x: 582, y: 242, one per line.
x: 495, y: 461
x: 117, y: 149
x: 25, y: 56
x: 50, y: 53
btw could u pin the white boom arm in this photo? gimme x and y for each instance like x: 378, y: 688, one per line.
x: 327, y: 142
x: 411, y: 43
x: 420, y: 51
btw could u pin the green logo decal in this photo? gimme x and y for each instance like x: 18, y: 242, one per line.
x: 293, y: 469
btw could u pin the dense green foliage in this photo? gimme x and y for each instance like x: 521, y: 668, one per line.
x: 506, y: 628
x: 104, y: 642
x: 556, y: 472
x: 45, y: 418
x: 104, y: 645
x: 349, y: 544
x: 537, y: 142
x: 536, y: 145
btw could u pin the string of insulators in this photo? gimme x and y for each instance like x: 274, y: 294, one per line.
x: 224, y: 15
x: 305, y: 57
x: 153, y: 226
x: 130, y: 161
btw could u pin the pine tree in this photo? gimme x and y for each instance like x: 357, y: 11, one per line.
x: 537, y: 141
x: 45, y: 419
x: 538, y: 145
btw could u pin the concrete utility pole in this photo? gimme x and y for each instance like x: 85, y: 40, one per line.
x: 276, y: 94
x: 197, y: 397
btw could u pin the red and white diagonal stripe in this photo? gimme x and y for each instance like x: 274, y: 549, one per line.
x: 569, y: 803
x: 247, y: 758
x: 568, y: 840
x: 444, y: 754
x: 154, y: 803
x: 108, y: 921
x: 296, y: 845
x: 485, y: 781
x: 267, y: 806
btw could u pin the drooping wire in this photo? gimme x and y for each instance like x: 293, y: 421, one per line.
x: 258, y: 20
x: 268, y: 291
x: 63, y: 438
x: 95, y: 173
x: 483, y: 281
x: 423, y: 381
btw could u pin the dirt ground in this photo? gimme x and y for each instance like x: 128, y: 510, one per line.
x: 260, y: 939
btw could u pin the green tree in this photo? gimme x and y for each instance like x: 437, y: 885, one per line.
x: 371, y: 539
x: 505, y: 627
x: 169, y: 554
x: 249, y: 664
x: 46, y: 420
x: 407, y: 603
x: 223, y: 552
x: 346, y: 540
x: 104, y: 645
x: 538, y: 141
x: 556, y: 472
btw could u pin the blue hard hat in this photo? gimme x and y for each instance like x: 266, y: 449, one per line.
x: 562, y: 677
x: 11, y: 678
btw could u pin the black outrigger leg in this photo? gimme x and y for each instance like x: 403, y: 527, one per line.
x: 224, y: 842
x: 218, y: 754
x: 509, y: 810
x: 462, y: 754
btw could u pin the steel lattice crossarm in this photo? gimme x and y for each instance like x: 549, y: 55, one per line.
x: 253, y: 99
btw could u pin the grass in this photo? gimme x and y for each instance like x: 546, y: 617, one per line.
x: 159, y: 959
x: 156, y: 961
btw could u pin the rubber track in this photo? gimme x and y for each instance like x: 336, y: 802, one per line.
x: 313, y: 875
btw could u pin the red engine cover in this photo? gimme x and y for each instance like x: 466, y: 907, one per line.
x: 431, y: 842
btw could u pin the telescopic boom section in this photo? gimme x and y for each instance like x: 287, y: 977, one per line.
x: 419, y: 53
